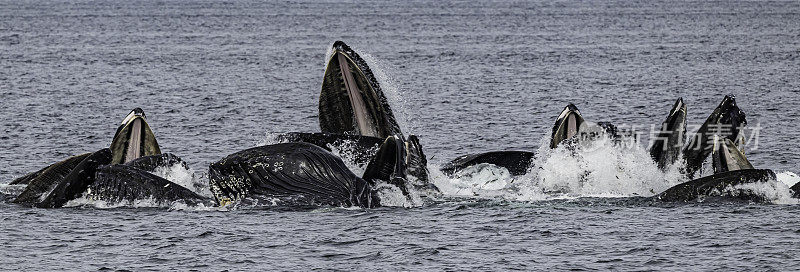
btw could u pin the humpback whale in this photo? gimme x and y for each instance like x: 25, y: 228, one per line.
x: 351, y: 100
x: 731, y: 168
x: 130, y: 182
x: 569, y: 126
x: 719, y: 134
x: 726, y: 121
x: 354, y: 114
x: 718, y: 137
x: 718, y: 185
x: 305, y: 174
x: 133, y: 150
x: 726, y: 156
x: 133, y: 139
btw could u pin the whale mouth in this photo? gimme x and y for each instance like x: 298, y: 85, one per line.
x: 349, y: 73
x: 727, y: 156
x: 351, y: 100
x: 133, y: 139
x: 568, y: 124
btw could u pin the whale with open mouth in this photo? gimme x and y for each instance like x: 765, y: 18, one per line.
x: 121, y: 172
x: 353, y: 108
x: 719, y: 137
x: 355, y: 115
x: 667, y: 144
x: 570, y: 127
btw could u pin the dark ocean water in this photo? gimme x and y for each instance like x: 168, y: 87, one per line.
x: 219, y: 77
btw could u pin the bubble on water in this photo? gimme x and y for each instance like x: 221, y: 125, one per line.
x: 142, y: 203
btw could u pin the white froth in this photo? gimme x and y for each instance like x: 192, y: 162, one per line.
x: 178, y: 174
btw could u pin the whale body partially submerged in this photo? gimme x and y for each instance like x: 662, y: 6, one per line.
x: 719, y: 137
x: 111, y: 174
x: 355, y: 118
x: 126, y: 183
x: 517, y: 162
x: 304, y: 174
x: 569, y: 127
x: 722, y: 185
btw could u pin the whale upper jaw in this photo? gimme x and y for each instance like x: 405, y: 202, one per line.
x: 351, y: 100
x: 133, y: 139
x: 667, y: 146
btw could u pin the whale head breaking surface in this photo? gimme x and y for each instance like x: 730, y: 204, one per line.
x: 351, y: 100
x: 569, y: 123
x: 133, y: 139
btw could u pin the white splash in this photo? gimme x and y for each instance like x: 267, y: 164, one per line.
x: 141, y: 203
x: 391, y: 196
x: 598, y: 168
x: 346, y: 151
x: 595, y: 168
x: 391, y: 91
x: 272, y: 138
x: 12, y: 191
x: 788, y: 178
x: 772, y: 191
x: 184, y: 177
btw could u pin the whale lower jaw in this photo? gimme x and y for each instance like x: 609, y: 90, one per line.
x: 517, y: 162
x: 127, y: 184
x: 63, y: 181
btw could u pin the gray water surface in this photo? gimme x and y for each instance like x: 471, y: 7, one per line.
x: 217, y: 77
